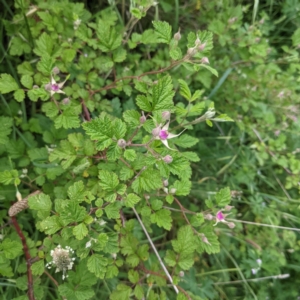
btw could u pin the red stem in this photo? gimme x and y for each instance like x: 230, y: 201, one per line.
x: 27, y: 257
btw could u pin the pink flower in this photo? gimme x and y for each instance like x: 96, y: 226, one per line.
x: 53, y: 87
x: 220, y: 217
x: 162, y: 133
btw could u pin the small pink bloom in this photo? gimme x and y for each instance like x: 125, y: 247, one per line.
x: 163, y: 135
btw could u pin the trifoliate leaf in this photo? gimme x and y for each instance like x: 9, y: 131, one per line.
x: 7, y: 84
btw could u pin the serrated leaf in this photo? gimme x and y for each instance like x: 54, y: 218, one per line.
x: 40, y: 202
x: 51, y: 225
x: 113, y: 210
x: 186, y: 141
x: 223, y: 197
x: 11, y: 249
x: 44, y: 45
x: 130, y: 154
x: 6, y: 124
x: 121, y: 293
x: 27, y: 81
x: 19, y: 95
x: 97, y: 265
x: 79, y: 193
x: 38, y: 268
x: 69, y: 118
x: 8, y: 177
x: 163, y: 31
x: 184, y: 90
x: 131, y: 199
x: 133, y: 276
x: 162, y: 218
x: 185, y: 242
x: 64, y: 152
x: 143, y: 103
x: 100, y: 129
x: 109, y: 38
x: 212, y: 70
x: 7, y: 84
x: 132, y: 117
x: 213, y: 245
x: 80, y: 231
x: 108, y: 180
x: 162, y: 94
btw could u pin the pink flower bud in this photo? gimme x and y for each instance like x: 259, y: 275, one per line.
x: 168, y: 159
x: 48, y: 87
x: 121, y: 143
x: 201, y: 47
x: 230, y: 225
x: 143, y: 118
x: 55, y: 70
x: 66, y: 101
x: 35, y: 86
x: 204, y: 60
x: 166, y: 182
x: 166, y: 115
x: 208, y: 217
x: 191, y: 51
x: 177, y: 35
x: 197, y: 42
x: 181, y: 274
x: 228, y: 207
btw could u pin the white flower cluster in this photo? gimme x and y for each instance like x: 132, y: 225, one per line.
x: 62, y: 260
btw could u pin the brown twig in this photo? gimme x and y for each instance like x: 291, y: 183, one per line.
x: 86, y: 111
x: 27, y: 257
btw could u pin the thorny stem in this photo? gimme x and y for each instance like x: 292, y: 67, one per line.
x: 27, y: 257
x: 155, y: 251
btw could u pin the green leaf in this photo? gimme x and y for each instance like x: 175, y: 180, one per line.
x: 131, y: 199
x: 162, y: 218
x: 162, y: 94
x: 100, y: 129
x: 79, y: 193
x: 40, y: 202
x: 133, y: 276
x: 109, y: 38
x: 80, y: 231
x: 65, y: 153
x: 213, y: 245
x: 44, y: 45
x: 223, y: 197
x: 182, y: 187
x: 113, y: 210
x: 130, y: 154
x: 69, y: 118
x: 185, y: 242
x: 72, y: 212
x: 119, y: 55
x: 121, y: 293
x: 212, y: 70
x: 51, y: 225
x: 184, y: 90
x: 27, y: 81
x: 41, y: 93
x: 144, y: 103
x: 148, y: 180
x: 186, y: 141
x: 38, y: 268
x: 6, y: 124
x: 97, y: 265
x: 9, y: 177
x: 45, y: 65
x: 7, y: 84
x: 19, y: 95
x: 132, y: 117
x: 11, y: 249
x: 139, y: 292
x: 163, y: 31
x: 108, y: 180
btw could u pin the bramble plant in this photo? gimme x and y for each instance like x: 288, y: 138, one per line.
x: 95, y: 148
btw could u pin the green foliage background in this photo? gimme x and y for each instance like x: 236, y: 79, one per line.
x: 77, y: 163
